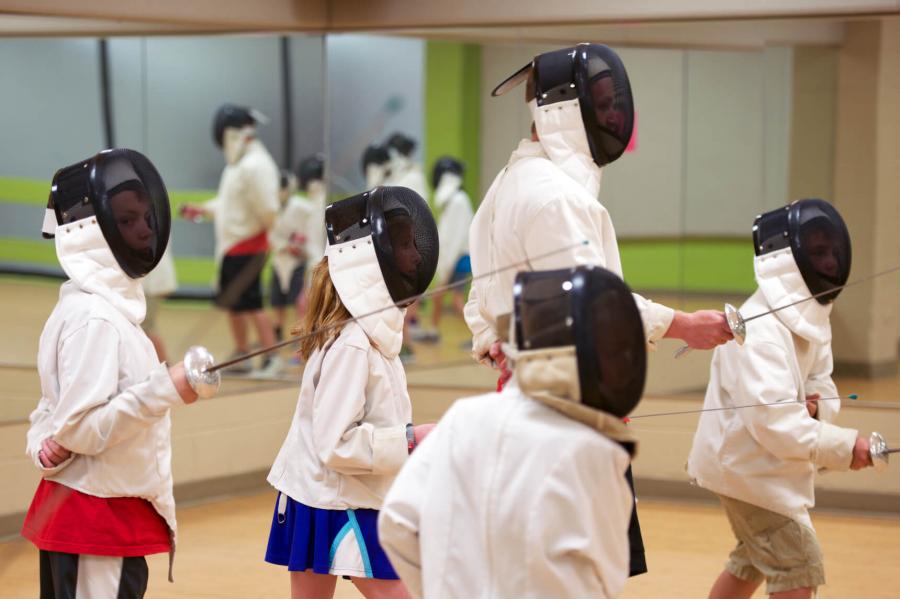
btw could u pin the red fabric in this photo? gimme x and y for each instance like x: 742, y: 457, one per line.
x: 69, y: 521
x: 254, y: 245
x: 500, y: 384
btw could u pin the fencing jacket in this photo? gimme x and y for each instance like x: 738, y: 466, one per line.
x: 104, y: 394
x: 768, y: 456
x: 538, y: 215
x: 453, y: 228
x: 247, y: 200
x: 300, y: 216
x: 406, y: 173
x: 348, y: 436
x: 501, y: 500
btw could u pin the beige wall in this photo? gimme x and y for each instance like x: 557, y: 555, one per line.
x: 867, y: 191
x: 813, y: 116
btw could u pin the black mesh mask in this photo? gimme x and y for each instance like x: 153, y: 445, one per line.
x: 818, y: 238
x: 592, y: 309
x: 595, y: 76
x: 125, y: 193
x: 403, y: 232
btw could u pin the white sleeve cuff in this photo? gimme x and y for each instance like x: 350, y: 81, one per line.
x: 50, y: 471
x: 656, y: 318
x: 162, y: 393
x: 834, y: 447
x: 389, y: 451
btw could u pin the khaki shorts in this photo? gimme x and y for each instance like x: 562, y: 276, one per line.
x: 772, y: 547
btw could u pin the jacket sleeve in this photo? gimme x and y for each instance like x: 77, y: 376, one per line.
x: 342, y: 438
x: 656, y: 318
x: 41, y: 421
x: 483, y: 335
x: 209, y: 207
x: 762, y: 375
x: 820, y: 381
x: 400, y: 516
x: 92, y: 413
x: 577, y: 542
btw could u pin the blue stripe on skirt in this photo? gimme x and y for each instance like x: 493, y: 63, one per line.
x: 307, y: 538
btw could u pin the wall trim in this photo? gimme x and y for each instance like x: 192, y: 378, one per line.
x: 866, y: 370
x: 225, y: 487
x: 873, y: 504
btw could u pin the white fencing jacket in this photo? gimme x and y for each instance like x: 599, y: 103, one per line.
x: 247, y: 200
x: 768, y: 456
x: 507, y: 497
x: 453, y: 228
x: 347, y: 440
x: 543, y: 202
x: 104, y: 394
x: 302, y: 215
x: 403, y: 172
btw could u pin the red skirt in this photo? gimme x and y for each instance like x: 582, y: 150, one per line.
x: 69, y: 521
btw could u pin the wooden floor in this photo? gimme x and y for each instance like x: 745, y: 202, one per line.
x: 222, y: 543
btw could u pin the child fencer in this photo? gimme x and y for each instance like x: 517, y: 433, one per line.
x: 761, y: 461
x: 352, y: 430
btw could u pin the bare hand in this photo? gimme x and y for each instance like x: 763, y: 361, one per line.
x: 703, y: 329
x: 191, y: 212
x: 498, y: 358
x: 420, y: 431
x: 812, y: 404
x: 52, y: 454
x: 861, y: 456
x: 187, y: 393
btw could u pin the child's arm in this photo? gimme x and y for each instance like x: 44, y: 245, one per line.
x: 91, y: 414
x: 399, y: 519
x: 761, y: 374
x: 821, y: 383
x: 579, y: 540
x: 38, y: 433
x: 344, y: 440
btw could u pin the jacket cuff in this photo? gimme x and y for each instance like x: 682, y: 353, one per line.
x: 834, y: 447
x: 162, y: 394
x: 657, y: 320
x: 390, y: 450
x: 50, y: 471
x: 481, y: 345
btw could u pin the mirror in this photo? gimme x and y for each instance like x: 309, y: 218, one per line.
x: 733, y: 118
x: 76, y: 95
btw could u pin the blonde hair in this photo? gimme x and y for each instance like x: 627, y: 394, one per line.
x: 324, y: 312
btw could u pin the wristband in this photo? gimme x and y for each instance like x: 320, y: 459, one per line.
x: 410, y: 438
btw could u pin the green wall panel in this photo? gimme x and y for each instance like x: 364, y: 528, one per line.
x: 452, y: 107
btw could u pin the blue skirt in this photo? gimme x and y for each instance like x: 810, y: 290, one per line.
x: 462, y: 269
x: 339, y: 542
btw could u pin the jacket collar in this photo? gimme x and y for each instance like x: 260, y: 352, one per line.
x: 87, y: 260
